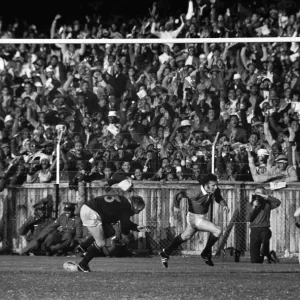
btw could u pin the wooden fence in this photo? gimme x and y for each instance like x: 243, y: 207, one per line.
x: 16, y: 204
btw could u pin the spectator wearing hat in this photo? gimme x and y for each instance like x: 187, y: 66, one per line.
x: 180, y: 60
x: 66, y: 232
x: 237, y: 82
x: 34, y: 227
x: 46, y: 173
x: 185, y: 129
x: 113, y: 118
x: 259, y: 171
x: 258, y: 214
x: 217, y: 79
x: 7, y: 128
x: 283, y: 170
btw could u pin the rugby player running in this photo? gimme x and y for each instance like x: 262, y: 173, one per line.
x: 199, y: 200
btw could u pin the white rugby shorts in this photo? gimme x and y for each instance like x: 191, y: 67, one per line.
x: 89, y: 217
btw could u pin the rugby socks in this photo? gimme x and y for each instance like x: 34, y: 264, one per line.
x: 87, y: 243
x: 209, y: 244
x: 174, y: 244
x: 91, y: 253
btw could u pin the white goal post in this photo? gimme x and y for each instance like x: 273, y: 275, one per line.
x: 154, y: 41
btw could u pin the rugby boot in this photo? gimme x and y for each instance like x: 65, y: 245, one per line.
x: 164, y: 258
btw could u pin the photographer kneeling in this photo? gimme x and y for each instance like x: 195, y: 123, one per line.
x: 258, y: 214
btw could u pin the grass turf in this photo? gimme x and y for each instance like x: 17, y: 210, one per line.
x: 33, y: 278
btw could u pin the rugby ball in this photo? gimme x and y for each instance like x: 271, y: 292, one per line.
x: 70, y: 266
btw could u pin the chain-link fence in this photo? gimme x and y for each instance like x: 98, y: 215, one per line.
x: 16, y: 205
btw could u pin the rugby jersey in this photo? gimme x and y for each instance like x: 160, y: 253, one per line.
x: 198, y: 199
x: 114, y: 208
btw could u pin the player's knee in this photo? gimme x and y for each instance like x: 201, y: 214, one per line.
x: 99, y: 244
x: 186, y: 236
x: 218, y: 231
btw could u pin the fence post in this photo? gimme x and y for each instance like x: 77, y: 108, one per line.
x: 56, y: 187
x: 4, y: 215
x: 211, y: 208
x: 82, y: 196
x: 241, y: 226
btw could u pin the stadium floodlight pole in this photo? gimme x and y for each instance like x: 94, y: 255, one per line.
x: 60, y: 129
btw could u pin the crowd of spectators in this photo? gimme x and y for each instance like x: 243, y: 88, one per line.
x: 153, y: 111
x: 202, y: 18
x: 149, y: 112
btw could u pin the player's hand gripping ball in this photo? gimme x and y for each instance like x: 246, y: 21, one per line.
x: 70, y: 266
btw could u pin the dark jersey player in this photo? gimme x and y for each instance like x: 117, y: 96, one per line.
x: 199, y: 200
x: 99, y: 213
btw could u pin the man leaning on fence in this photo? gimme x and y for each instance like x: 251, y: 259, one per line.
x: 258, y: 214
x: 35, y: 225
